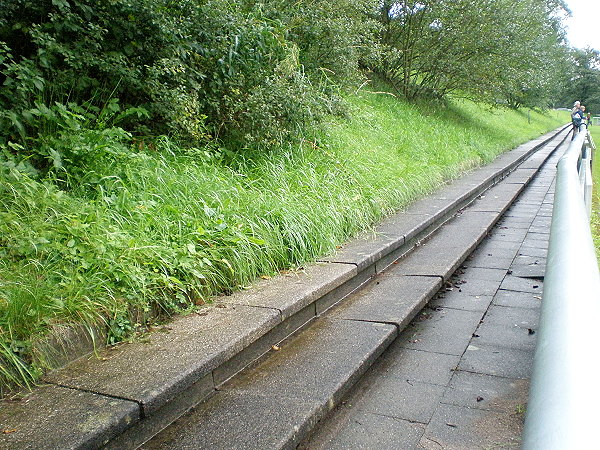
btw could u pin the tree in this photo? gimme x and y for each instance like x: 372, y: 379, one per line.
x: 582, y: 80
x: 486, y: 49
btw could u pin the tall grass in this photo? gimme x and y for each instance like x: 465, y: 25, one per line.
x: 162, y: 232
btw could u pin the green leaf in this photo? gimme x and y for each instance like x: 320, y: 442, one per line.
x: 257, y: 241
x: 38, y: 83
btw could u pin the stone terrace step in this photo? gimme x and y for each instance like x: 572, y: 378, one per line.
x: 132, y: 391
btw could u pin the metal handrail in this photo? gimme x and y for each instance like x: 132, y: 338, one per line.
x: 562, y: 412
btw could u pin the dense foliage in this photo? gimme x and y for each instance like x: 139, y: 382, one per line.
x: 246, y: 72
x: 156, y: 153
x: 496, y: 50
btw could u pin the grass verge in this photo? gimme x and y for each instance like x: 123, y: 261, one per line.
x: 595, y: 219
x: 160, y: 232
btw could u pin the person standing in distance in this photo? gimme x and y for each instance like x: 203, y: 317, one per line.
x: 576, y: 117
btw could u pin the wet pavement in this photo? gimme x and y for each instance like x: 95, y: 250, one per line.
x: 457, y: 377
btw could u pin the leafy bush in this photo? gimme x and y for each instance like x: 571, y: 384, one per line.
x: 203, y: 70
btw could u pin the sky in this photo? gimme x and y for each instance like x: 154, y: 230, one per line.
x: 583, y: 28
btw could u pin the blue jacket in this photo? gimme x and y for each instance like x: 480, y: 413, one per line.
x: 577, y: 117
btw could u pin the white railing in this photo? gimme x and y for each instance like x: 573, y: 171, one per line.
x: 564, y: 396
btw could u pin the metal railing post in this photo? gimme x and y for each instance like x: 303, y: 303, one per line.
x: 562, y: 412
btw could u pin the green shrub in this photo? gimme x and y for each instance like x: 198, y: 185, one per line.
x: 203, y: 70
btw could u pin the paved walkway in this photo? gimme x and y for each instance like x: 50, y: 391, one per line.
x: 457, y: 377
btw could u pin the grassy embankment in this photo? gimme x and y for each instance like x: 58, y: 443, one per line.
x: 163, y: 232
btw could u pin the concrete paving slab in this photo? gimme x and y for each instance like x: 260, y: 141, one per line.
x: 293, y: 291
x: 148, y: 426
x: 441, y: 330
x: 477, y: 220
x: 233, y: 420
x: 517, y: 299
x: 528, y: 270
x: 365, y: 250
x: 263, y: 344
x: 516, y: 235
x: 525, y: 209
x: 534, y: 162
x: 523, y: 214
x: 54, y: 417
x: 416, y: 365
x: 460, y: 428
x: 497, y: 201
x: 533, y: 197
x: 534, y: 243
x: 512, y: 283
x: 418, y: 217
x: 402, y: 399
x: 424, y: 214
x: 524, y: 260
x: 429, y: 205
x: 496, y: 360
x: 489, y: 261
x: 366, y: 431
x: 326, y: 301
x: 478, y: 287
x: 514, y: 221
x: 319, y: 363
x: 542, y: 229
x: 537, y: 192
x: 490, y: 244
x: 462, y: 190
x: 459, y: 300
x: 389, y: 298
x: 541, y: 237
x: 450, y: 258
x: 505, y: 224
x: 168, y: 363
x: 512, y: 336
x: 518, y: 317
x: 521, y: 176
x: 482, y: 274
x: 533, y: 251
x: 478, y: 281
x: 474, y: 390
x: 452, y: 243
x: 549, y: 199
x: 542, y: 221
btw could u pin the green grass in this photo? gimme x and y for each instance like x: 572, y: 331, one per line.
x: 158, y: 233
x: 595, y: 220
